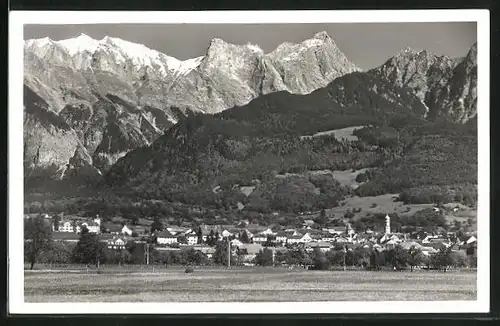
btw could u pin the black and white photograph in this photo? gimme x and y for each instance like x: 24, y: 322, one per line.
x: 332, y: 161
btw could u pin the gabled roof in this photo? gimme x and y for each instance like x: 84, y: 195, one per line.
x: 164, y: 234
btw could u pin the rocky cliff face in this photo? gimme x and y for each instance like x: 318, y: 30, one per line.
x: 49, y: 142
x: 114, y: 96
x: 455, y: 95
x: 310, y: 65
x: 447, y: 86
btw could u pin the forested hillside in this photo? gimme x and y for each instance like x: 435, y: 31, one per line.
x: 206, y: 159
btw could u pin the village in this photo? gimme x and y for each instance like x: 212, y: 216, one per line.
x: 246, y: 240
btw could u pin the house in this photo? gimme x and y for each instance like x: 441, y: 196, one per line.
x: 249, y: 251
x: 206, y: 250
x: 327, y: 237
x: 226, y: 234
x: 112, y: 228
x: 126, y: 230
x: 408, y: 244
x: 308, y: 222
x: 342, y: 240
x: 337, y: 230
x: 391, y: 244
x: 323, y: 246
x: 282, y: 237
x: 65, y: 226
x: 472, y: 239
x: 192, y: 239
x: 441, y: 241
x: 92, y: 227
x: 176, y: 230
x: 428, y: 250
x: 267, y: 232
x: 316, y: 237
x: 428, y: 238
x: 260, y: 238
x: 165, y: 238
x: 117, y: 243
x: 295, y: 239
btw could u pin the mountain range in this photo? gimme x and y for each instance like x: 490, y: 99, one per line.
x: 90, y: 102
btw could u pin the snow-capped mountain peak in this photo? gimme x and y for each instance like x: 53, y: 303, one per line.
x: 83, y: 46
x: 79, y: 44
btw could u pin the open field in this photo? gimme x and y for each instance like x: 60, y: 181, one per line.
x: 252, y: 284
x: 385, y: 204
x: 339, y: 134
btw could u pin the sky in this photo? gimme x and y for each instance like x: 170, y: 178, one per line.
x: 368, y: 45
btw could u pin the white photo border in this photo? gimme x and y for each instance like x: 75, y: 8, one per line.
x: 17, y: 20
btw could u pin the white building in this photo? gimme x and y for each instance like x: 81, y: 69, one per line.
x: 126, y: 230
x: 299, y: 239
x: 259, y: 238
x: 165, y: 238
x: 192, y: 239
x: 65, y: 226
x: 117, y: 243
x: 226, y: 234
x: 267, y: 232
x: 387, y: 224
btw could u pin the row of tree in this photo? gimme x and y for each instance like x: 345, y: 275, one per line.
x: 396, y: 258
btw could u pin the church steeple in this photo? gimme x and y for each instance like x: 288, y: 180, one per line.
x: 387, y: 224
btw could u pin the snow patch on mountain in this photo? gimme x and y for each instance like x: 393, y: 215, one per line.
x: 255, y: 48
x: 122, y: 51
x: 186, y: 66
x: 79, y: 44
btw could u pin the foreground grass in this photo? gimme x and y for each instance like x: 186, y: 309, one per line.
x: 173, y: 285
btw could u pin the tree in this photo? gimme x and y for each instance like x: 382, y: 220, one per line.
x: 211, y: 239
x: 199, y: 234
x: 38, y: 237
x: 55, y: 222
x: 398, y: 257
x: 264, y: 257
x: 244, y: 237
x: 182, y: 239
x: 375, y: 260
x: 415, y: 257
x: 89, y: 250
x: 220, y: 255
x: 58, y: 253
x: 157, y: 225
x: 270, y: 241
x: 319, y: 260
x: 322, y: 220
x: 194, y: 257
x: 442, y: 259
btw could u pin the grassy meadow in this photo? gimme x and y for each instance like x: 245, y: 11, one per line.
x: 240, y: 285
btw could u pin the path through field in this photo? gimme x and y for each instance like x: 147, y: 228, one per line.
x: 169, y: 285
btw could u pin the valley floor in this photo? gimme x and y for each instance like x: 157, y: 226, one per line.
x: 253, y: 284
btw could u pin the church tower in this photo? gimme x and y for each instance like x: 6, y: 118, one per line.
x: 387, y: 224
